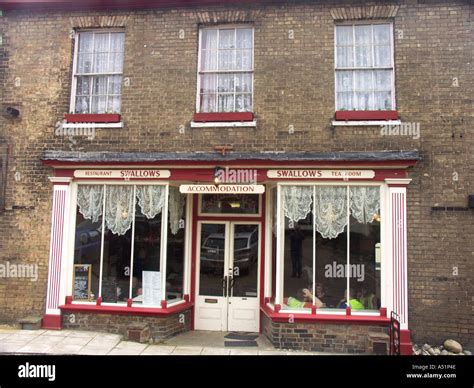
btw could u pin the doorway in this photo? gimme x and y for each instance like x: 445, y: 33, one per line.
x: 227, y: 276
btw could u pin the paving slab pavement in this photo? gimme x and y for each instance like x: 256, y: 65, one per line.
x: 71, y: 342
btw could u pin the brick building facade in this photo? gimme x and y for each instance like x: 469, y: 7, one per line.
x: 294, y: 112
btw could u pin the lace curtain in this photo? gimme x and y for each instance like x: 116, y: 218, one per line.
x: 90, y: 200
x: 330, y: 206
x: 297, y: 202
x: 119, y: 204
x: 151, y: 200
x: 175, y: 208
x: 120, y: 201
x: 99, y: 54
x: 223, y: 52
x: 330, y: 210
x: 365, y: 203
x: 365, y: 47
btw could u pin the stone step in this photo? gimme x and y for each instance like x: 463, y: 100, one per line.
x: 30, y: 323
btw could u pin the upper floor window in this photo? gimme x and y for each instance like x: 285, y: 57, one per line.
x: 98, y: 66
x: 364, y: 67
x: 225, y: 81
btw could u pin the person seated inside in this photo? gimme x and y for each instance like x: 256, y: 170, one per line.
x: 304, y: 299
x: 354, y: 304
x: 137, y: 290
x: 369, y: 300
x: 320, y: 292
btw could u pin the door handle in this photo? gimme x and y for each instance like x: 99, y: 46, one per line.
x: 224, y: 285
x: 232, y: 281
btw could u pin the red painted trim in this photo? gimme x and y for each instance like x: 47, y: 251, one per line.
x: 125, y: 310
x: 262, y: 256
x: 206, y: 175
x: 223, y: 117
x: 186, y: 298
x: 399, y: 254
x: 55, y: 255
x: 403, y: 258
x: 396, y: 303
x: 383, y: 311
x: 348, y: 311
x: 406, y: 346
x: 361, y: 115
x: 129, y: 302
x: 193, y: 247
x: 61, y: 183
x: 163, y: 304
x: 227, y: 217
x: 274, y: 246
x: 92, y: 118
x: 51, y: 322
x: 309, y: 318
x: 98, y: 302
x: 68, y: 299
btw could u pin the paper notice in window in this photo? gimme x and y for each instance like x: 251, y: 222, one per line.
x: 151, y: 288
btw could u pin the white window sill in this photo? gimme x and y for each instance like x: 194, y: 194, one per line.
x: 365, y: 313
x: 93, y: 125
x: 230, y: 124
x: 329, y: 311
x: 367, y: 123
x: 301, y: 310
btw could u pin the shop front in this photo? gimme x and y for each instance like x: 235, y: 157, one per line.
x: 308, y: 248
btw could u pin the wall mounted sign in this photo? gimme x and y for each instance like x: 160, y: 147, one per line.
x: 320, y: 174
x: 222, y: 189
x: 123, y: 174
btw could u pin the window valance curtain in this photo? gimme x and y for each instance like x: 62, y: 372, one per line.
x: 330, y: 205
x: 120, y: 201
x: 176, y: 208
x: 330, y: 211
x: 365, y: 203
x: 297, y: 202
x: 151, y: 200
x: 119, y: 208
x: 90, y: 199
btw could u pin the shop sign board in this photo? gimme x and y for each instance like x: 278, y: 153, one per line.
x: 320, y: 174
x: 123, y: 174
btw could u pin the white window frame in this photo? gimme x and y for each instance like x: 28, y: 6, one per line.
x: 72, y: 101
x: 372, y: 68
x: 385, y: 283
x: 199, y: 72
x: 69, y: 265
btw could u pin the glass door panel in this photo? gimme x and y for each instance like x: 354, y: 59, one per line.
x: 213, y: 255
x: 245, y: 260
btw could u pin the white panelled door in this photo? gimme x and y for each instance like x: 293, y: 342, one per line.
x: 227, y: 276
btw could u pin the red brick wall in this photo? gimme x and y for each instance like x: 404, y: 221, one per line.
x: 321, y: 337
x: 161, y: 327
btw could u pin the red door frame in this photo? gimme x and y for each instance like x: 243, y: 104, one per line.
x: 195, y: 238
